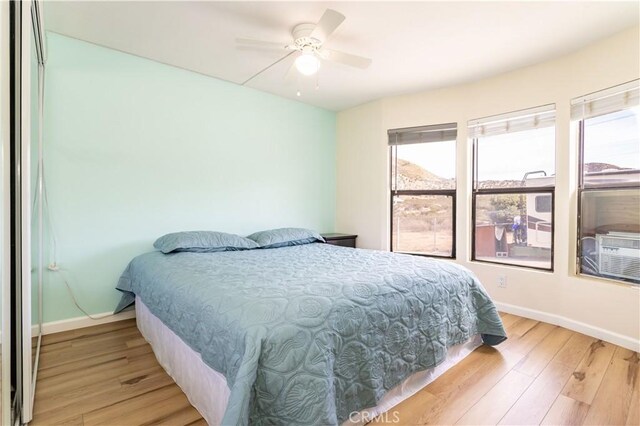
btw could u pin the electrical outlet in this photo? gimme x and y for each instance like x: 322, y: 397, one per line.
x: 502, y: 281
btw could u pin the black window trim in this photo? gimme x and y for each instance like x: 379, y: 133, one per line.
x: 515, y: 191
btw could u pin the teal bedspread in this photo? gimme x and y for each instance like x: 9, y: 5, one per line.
x: 305, y: 335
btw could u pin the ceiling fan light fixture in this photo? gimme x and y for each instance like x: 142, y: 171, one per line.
x: 307, y: 63
x: 307, y: 47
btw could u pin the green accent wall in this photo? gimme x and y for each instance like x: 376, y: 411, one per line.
x: 135, y: 149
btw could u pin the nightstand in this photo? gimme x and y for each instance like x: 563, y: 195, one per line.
x: 343, y: 240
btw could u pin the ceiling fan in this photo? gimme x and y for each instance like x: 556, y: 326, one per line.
x: 308, y: 47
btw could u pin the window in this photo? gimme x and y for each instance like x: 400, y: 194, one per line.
x: 423, y: 189
x: 543, y: 203
x: 609, y: 183
x: 513, y: 188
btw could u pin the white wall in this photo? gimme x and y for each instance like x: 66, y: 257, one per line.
x: 602, y: 309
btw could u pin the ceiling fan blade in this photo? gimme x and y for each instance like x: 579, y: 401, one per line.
x: 267, y: 67
x: 345, y: 58
x: 247, y: 42
x: 327, y: 25
x: 292, y: 73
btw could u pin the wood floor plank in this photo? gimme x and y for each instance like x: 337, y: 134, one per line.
x: 573, y: 351
x: 435, y: 398
x: 566, y: 411
x: 80, y: 365
x: 136, y: 342
x: 520, y: 327
x: 104, y: 372
x: 129, y: 333
x: 633, y: 418
x: 74, y: 396
x: 532, y: 406
x: 89, y: 339
x: 141, y: 409
x: 75, y: 420
x: 79, y: 378
x: 87, y: 332
x: 88, y: 399
x: 183, y: 416
x: 584, y: 382
x: 528, y: 340
x: 469, y: 392
x: 69, y: 355
x: 497, y: 401
x: 65, y: 344
x: 508, y: 320
x: 132, y: 377
x: 409, y: 411
x: 625, y: 354
x: 538, y: 358
x: 449, y: 381
x: 612, y: 403
x: 200, y: 422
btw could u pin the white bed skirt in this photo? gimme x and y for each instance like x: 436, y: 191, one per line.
x: 207, y: 389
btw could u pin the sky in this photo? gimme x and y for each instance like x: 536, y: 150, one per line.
x: 510, y: 156
x: 437, y: 157
x: 624, y: 125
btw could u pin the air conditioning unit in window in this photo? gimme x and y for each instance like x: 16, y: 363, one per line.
x: 619, y: 255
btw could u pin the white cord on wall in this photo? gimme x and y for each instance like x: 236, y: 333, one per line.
x: 53, y: 266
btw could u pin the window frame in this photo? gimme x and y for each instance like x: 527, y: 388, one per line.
x: 437, y: 192
x: 475, y: 191
x: 582, y: 189
x: 514, y: 191
x: 452, y: 193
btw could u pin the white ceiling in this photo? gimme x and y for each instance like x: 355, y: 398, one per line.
x: 414, y: 45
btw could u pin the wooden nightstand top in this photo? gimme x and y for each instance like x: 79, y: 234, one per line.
x: 337, y: 236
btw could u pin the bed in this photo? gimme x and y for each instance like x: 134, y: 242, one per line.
x: 308, y: 334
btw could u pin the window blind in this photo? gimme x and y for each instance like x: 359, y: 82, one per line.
x: 517, y: 121
x: 606, y: 101
x: 421, y: 134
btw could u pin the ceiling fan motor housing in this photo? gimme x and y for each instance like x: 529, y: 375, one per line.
x: 302, y: 37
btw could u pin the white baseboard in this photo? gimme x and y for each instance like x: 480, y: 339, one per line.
x: 81, y: 322
x: 580, y: 327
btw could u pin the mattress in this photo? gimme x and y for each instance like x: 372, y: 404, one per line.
x: 313, y: 333
x: 207, y: 389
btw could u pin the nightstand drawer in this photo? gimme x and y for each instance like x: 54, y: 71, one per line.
x: 343, y: 240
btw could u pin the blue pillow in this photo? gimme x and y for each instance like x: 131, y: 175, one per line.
x: 284, y: 237
x: 203, y: 242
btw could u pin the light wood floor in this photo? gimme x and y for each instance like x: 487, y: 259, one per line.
x: 542, y: 375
